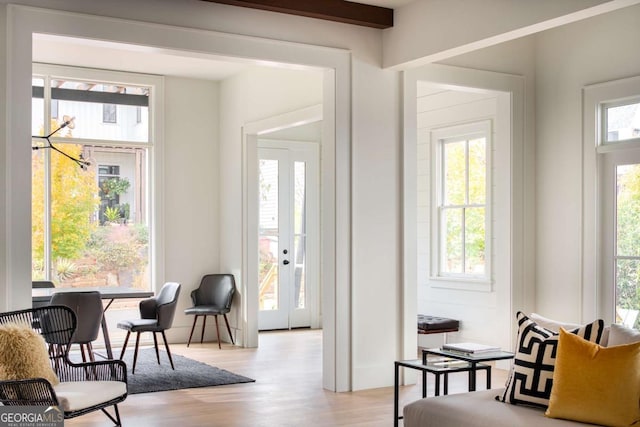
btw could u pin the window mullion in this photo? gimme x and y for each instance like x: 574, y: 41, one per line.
x: 48, y: 262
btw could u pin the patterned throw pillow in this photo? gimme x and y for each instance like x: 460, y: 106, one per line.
x: 531, y: 376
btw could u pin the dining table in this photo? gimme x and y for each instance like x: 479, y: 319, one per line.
x: 107, y: 293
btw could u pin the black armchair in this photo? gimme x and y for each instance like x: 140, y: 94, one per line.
x: 212, y: 298
x: 156, y: 315
x: 83, y: 387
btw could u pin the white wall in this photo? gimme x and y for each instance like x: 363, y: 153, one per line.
x: 191, y: 189
x: 475, y: 309
x: 596, y: 50
x: 376, y: 234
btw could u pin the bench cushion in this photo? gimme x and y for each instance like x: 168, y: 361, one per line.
x: 432, y: 324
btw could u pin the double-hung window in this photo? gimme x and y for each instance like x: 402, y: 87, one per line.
x: 461, y: 202
x: 91, y: 225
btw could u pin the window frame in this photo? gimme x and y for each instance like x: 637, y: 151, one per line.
x: 440, y: 137
x: 602, y: 113
x: 154, y: 146
x: 109, y: 113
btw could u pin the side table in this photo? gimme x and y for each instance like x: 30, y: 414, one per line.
x: 472, y: 358
x: 437, y: 368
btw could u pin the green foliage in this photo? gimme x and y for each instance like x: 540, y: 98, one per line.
x: 113, y: 187
x: 112, y: 214
x: 65, y: 269
x: 120, y: 248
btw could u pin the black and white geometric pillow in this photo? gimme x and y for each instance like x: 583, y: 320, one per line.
x: 531, y: 375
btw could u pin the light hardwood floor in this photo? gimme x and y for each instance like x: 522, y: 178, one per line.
x: 288, y: 391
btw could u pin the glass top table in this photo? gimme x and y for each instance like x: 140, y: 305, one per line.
x: 472, y: 358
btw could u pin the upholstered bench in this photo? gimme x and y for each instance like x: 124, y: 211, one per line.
x: 436, y: 325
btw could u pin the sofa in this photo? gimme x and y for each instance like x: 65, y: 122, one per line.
x: 589, y: 375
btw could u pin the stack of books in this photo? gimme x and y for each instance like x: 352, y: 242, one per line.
x: 470, y: 348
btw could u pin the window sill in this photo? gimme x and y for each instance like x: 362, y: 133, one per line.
x: 461, y: 284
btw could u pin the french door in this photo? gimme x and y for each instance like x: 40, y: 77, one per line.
x: 620, y: 233
x: 287, y: 234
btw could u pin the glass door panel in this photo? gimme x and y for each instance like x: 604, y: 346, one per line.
x: 268, y: 230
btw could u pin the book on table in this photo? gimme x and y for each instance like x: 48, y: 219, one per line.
x: 470, y: 348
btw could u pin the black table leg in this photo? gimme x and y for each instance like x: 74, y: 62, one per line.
x: 395, y: 395
x: 446, y: 383
x: 437, y: 391
x: 472, y: 377
x: 489, y: 377
x: 424, y: 384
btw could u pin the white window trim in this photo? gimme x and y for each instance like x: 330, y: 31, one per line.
x: 594, y: 295
x: 448, y: 280
x: 604, y: 145
x: 155, y: 146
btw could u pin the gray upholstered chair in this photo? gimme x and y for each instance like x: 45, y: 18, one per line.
x: 87, y: 307
x: 212, y: 298
x: 156, y: 315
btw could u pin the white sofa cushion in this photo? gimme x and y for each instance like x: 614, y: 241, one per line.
x: 476, y: 409
x: 76, y: 395
x: 620, y: 334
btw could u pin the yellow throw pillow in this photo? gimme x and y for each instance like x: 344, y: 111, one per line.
x: 23, y: 354
x: 594, y: 384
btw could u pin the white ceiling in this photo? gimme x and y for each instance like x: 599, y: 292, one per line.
x: 140, y: 59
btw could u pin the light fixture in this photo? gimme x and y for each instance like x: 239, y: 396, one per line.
x: 68, y: 122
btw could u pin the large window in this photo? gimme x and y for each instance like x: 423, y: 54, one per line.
x: 462, y: 200
x: 90, y: 225
x: 611, y: 218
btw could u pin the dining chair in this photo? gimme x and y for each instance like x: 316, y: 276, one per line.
x: 87, y: 307
x: 212, y: 298
x: 156, y: 316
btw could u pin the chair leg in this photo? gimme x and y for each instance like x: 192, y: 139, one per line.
x: 82, y: 350
x: 164, y: 337
x: 135, y: 353
x: 218, y: 331
x: 90, y: 350
x: 155, y: 345
x: 195, y: 319
x: 124, y: 347
x: 204, y: 324
x: 115, y: 420
x: 228, y: 329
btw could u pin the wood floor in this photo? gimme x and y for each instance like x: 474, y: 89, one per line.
x: 288, y: 391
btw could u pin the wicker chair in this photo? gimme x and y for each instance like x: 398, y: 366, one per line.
x: 83, y: 388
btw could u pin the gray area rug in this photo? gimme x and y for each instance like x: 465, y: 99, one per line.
x: 189, y: 373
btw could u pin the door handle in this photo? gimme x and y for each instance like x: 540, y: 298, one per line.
x: 285, y: 262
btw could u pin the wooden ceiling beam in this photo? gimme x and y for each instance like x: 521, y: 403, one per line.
x: 332, y: 10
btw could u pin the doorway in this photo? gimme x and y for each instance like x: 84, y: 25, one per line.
x: 287, y: 233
